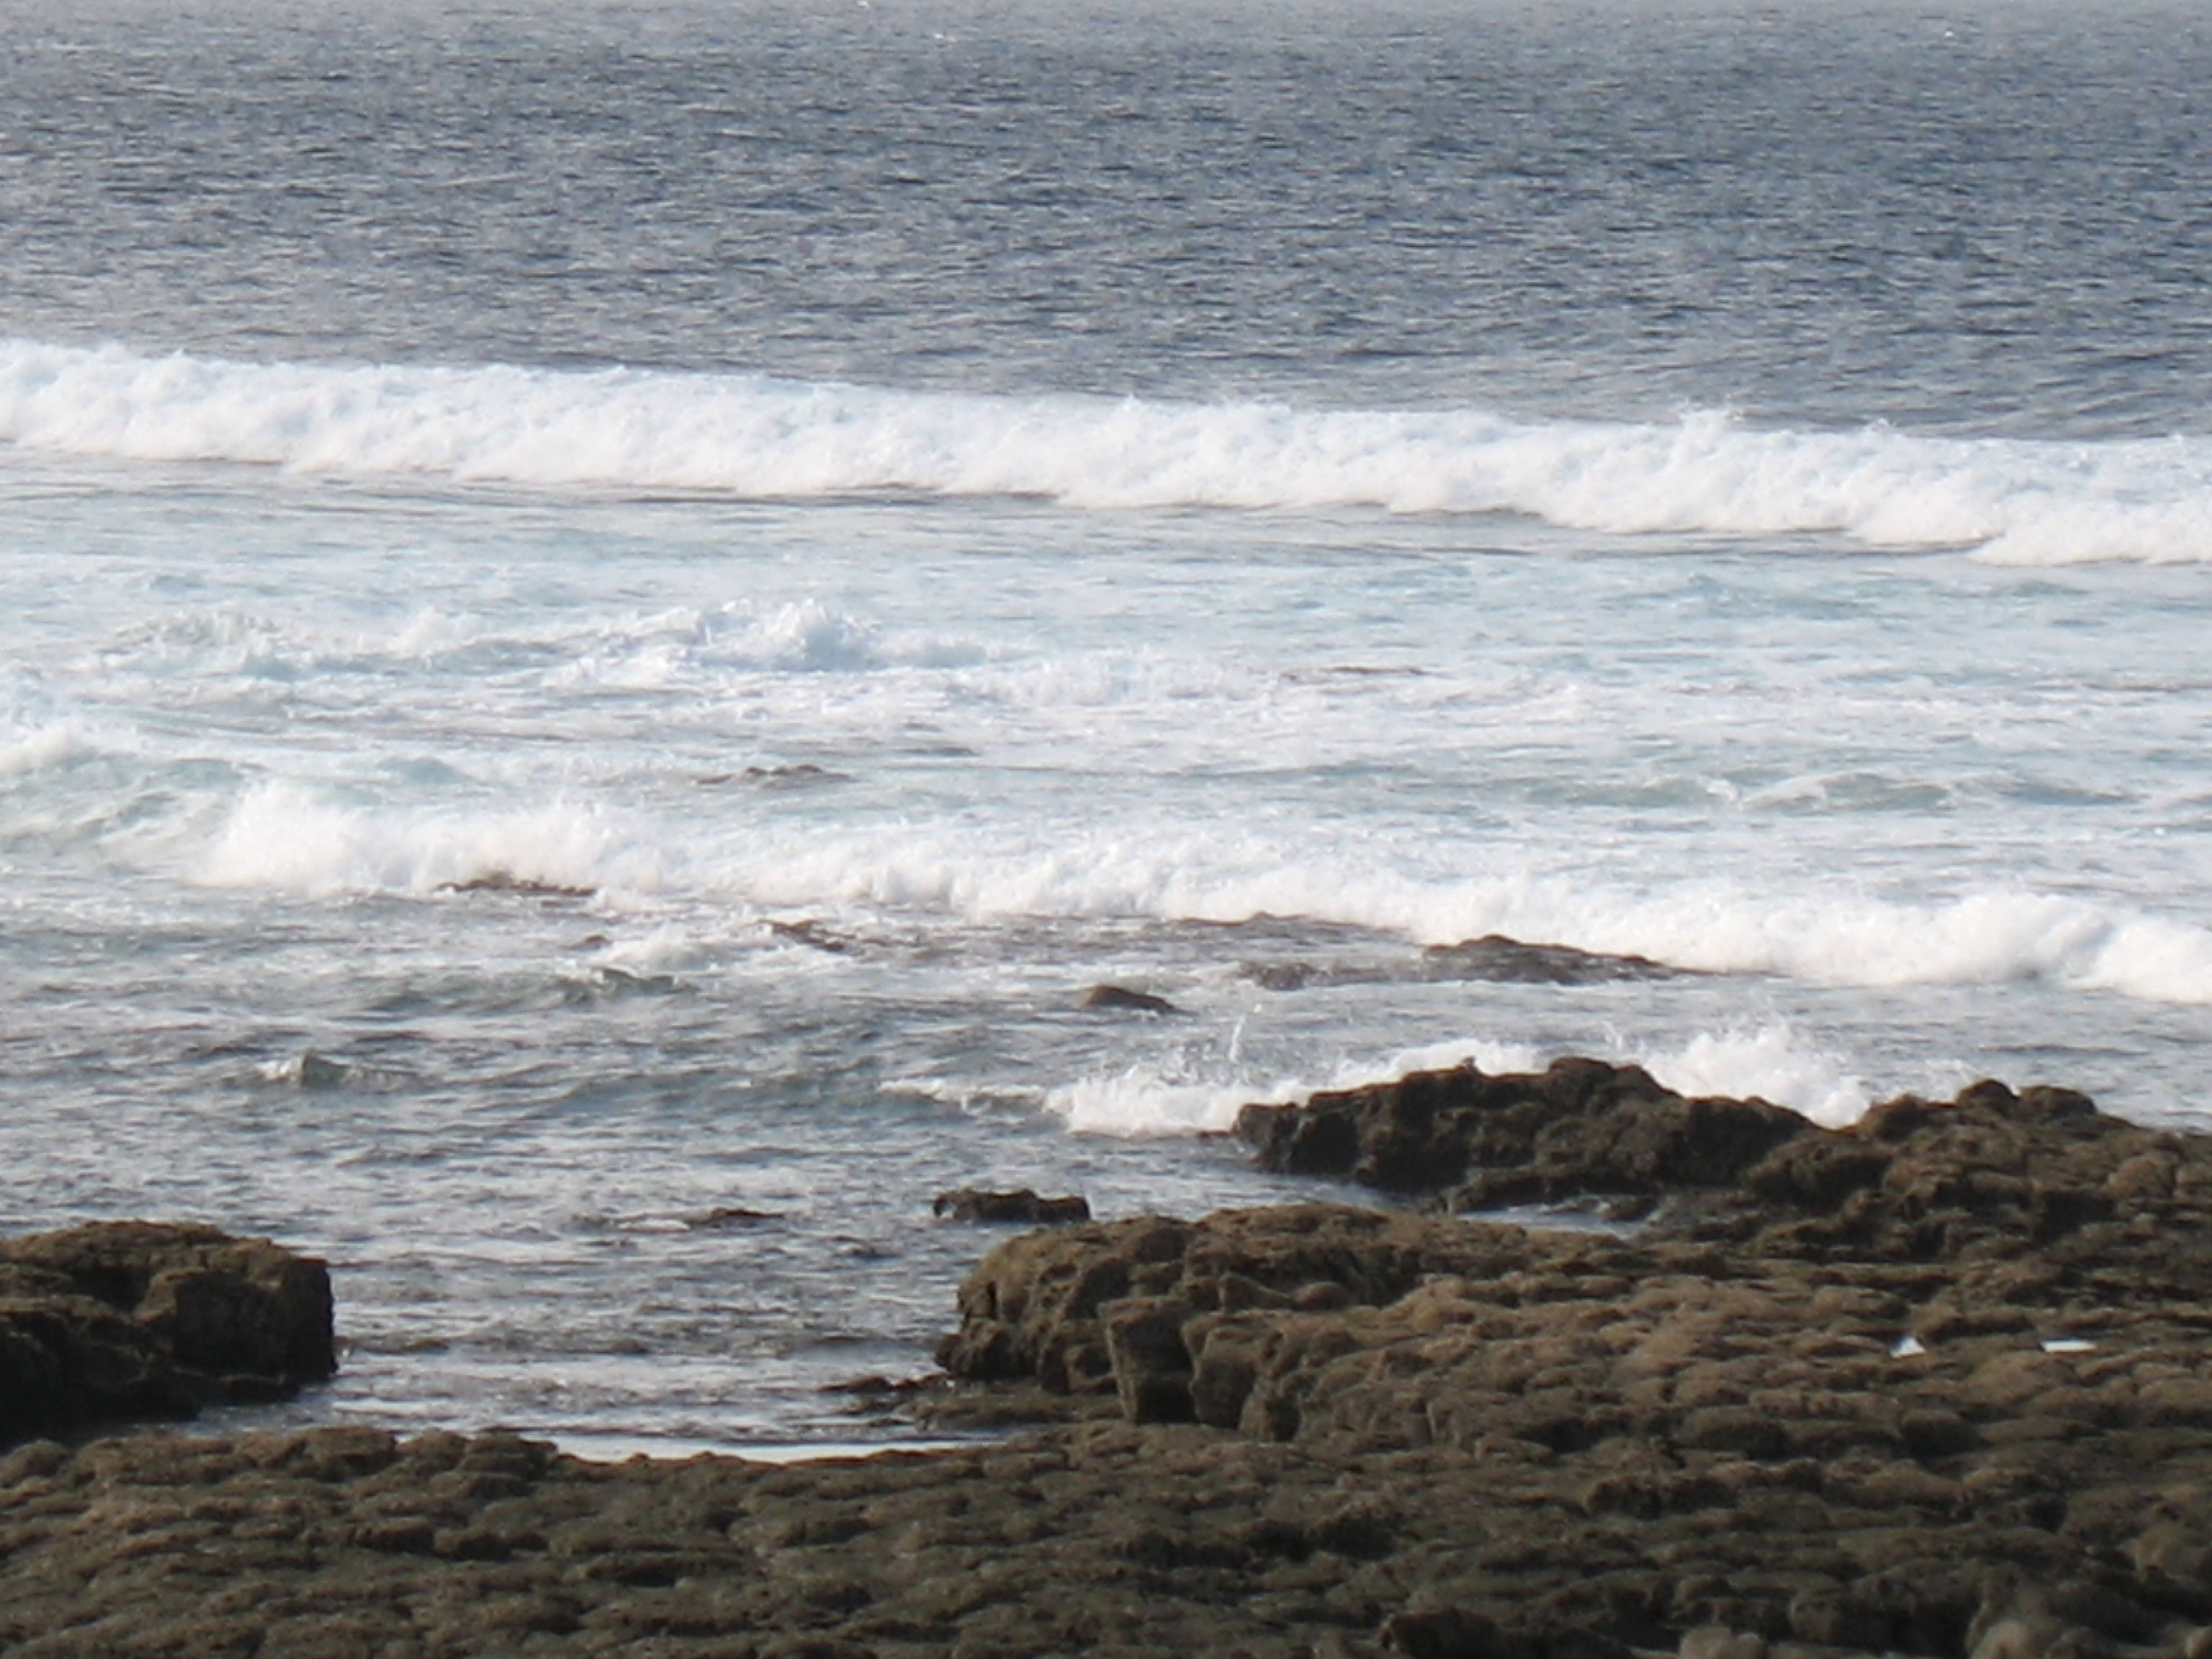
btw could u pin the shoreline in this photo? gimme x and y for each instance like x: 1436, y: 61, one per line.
x: 1933, y: 1385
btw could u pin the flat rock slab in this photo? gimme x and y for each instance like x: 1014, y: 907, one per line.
x: 1719, y: 1539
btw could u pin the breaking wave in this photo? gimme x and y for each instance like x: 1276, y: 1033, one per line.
x: 280, y: 837
x: 2014, y: 501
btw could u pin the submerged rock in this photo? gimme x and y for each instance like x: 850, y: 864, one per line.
x: 810, y: 932
x: 727, y: 1217
x: 1120, y: 996
x: 1494, y: 958
x: 1025, y: 1206
x: 116, y: 1320
x: 521, y: 886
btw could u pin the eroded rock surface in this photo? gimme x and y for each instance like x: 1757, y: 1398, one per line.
x: 117, y: 1320
x: 2010, y: 1171
x: 1940, y: 1383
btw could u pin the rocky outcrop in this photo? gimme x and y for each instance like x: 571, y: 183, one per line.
x: 117, y: 1320
x: 2029, y: 1201
x: 1581, y: 1128
x: 1913, y: 1179
x: 1934, y: 1384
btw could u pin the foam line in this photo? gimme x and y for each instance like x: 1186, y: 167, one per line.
x: 278, y: 835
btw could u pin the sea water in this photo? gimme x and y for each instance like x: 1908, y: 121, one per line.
x: 613, y: 611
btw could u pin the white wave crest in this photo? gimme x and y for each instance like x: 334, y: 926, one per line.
x: 281, y: 836
x: 2017, y: 500
x: 1139, y: 1102
x: 1830, y: 935
x: 42, y: 750
x: 1770, y: 1063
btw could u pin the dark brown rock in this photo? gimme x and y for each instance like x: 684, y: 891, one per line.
x: 1993, y: 1170
x: 1121, y: 997
x: 1581, y: 1127
x: 1024, y: 1207
x: 120, y: 1320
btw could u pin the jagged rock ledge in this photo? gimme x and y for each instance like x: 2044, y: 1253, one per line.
x: 115, y: 1321
x: 2036, y: 1196
x: 1935, y: 1384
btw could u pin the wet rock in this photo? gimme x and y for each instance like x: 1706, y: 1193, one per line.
x: 521, y: 886
x: 1121, y: 997
x: 727, y: 1217
x: 801, y: 775
x: 121, y: 1320
x: 1499, y: 959
x: 812, y: 934
x: 1024, y: 1207
x: 1494, y: 958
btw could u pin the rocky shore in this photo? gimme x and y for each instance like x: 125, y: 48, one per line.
x: 1940, y: 1384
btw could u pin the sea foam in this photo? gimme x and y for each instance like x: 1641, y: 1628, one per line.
x: 281, y: 836
x: 1834, y: 935
x: 2015, y: 501
x: 24, y: 753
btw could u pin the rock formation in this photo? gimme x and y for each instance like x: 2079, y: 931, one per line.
x: 113, y: 1321
x: 1938, y: 1384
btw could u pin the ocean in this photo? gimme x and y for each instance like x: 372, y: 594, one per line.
x: 612, y: 612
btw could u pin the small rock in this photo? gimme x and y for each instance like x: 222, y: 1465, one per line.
x: 1025, y: 1206
x: 1120, y: 996
x: 506, y: 881
x: 731, y: 1216
x: 810, y: 933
